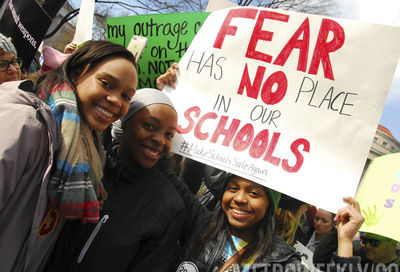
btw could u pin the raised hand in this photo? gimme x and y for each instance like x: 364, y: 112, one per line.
x: 168, y: 78
x: 349, y: 221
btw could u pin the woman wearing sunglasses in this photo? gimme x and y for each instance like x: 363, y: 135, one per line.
x: 373, y: 252
x: 379, y: 249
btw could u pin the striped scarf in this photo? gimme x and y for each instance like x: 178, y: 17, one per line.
x: 75, y: 185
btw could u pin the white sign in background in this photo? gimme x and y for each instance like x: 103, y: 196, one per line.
x: 306, y: 256
x: 84, y: 23
x: 309, y: 138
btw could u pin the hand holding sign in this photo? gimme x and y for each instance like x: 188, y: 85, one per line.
x: 285, y: 99
x: 70, y: 48
x: 168, y: 78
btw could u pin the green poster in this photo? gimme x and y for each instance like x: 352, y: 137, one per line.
x: 169, y: 36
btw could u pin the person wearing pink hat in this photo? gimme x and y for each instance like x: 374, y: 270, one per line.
x: 52, y: 59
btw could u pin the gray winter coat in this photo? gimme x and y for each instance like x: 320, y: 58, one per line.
x: 29, y: 138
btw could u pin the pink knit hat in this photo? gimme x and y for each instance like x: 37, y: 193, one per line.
x: 52, y: 59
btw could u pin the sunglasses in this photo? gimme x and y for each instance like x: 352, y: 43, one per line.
x: 373, y: 242
x: 4, y: 64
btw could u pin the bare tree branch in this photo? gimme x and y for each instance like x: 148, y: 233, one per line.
x: 105, y: 9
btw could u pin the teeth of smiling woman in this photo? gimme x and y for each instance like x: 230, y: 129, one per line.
x: 152, y: 152
x: 240, y: 212
x: 103, y: 111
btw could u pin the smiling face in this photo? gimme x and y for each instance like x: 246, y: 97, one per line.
x: 323, y: 222
x: 244, y: 203
x: 147, y: 135
x: 12, y: 73
x: 105, y: 91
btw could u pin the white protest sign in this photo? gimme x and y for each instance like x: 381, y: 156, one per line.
x: 214, y: 5
x: 286, y: 99
x: 84, y: 25
x: 306, y: 256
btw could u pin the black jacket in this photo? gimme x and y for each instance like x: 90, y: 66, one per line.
x: 324, y: 254
x: 279, y: 255
x: 145, y: 219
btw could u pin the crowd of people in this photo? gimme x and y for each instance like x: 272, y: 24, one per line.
x: 88, y: 183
